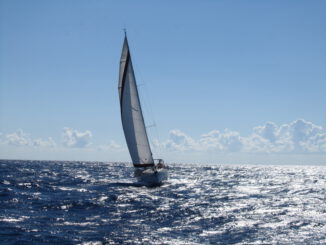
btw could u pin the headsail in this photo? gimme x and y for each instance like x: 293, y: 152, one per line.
x: 131, y: 113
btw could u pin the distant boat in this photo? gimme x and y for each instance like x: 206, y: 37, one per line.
x: 134, y: 127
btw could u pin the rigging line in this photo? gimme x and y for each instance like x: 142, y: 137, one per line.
x: 151, y: 126
x: 147, y: 107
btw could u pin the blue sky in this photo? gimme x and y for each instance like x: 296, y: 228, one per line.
x: 201, y: 66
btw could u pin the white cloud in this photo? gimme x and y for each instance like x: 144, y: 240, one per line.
x: 75, y: 139
x: 44, y: 143
x: 180, y: 141
x: 113, y: 146
x: 299, y: 136
x: 20, y: 138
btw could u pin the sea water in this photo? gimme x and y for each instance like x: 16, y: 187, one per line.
x: 48, y: 202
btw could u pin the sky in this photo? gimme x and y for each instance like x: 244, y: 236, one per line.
x: 223, y: 81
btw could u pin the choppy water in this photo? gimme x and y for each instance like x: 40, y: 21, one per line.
x: 99, y: 203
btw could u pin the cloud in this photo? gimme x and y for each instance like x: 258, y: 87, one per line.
x: 299, y: 136
x: 19, y: 138
x: 221, y: 141
x: 111, y: 146
x: 75, y: 139
x: 179, y: 141
x: 44, y: 143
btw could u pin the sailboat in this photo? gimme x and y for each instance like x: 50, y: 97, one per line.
x: 147, y: 170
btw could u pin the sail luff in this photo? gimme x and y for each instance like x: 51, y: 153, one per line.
x: 131, y: 113
x: 125, y: 56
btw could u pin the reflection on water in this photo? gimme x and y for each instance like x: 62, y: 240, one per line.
x: 96, y: 203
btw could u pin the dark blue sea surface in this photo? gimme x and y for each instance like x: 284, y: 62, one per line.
x: 48, y: 202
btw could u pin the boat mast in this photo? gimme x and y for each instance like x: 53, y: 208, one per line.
x: 131, y: 112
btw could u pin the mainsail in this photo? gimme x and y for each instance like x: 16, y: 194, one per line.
x: 131, y: 113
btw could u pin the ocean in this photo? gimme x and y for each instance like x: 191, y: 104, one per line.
x: 56, y: 202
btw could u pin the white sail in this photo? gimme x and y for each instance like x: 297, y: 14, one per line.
x: 131, y: 113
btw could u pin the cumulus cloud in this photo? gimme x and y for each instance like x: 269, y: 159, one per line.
x: 75, y: 139
x: 20, y: 138
x: 299, y: 136
x: 222, y: 141
x: 180, y: 141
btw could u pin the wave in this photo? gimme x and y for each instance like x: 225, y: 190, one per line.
x: 101, y: 203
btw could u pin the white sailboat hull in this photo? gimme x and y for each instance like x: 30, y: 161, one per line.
x: 151, y: 176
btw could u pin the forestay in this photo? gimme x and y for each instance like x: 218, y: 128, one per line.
x: 131, y: 113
